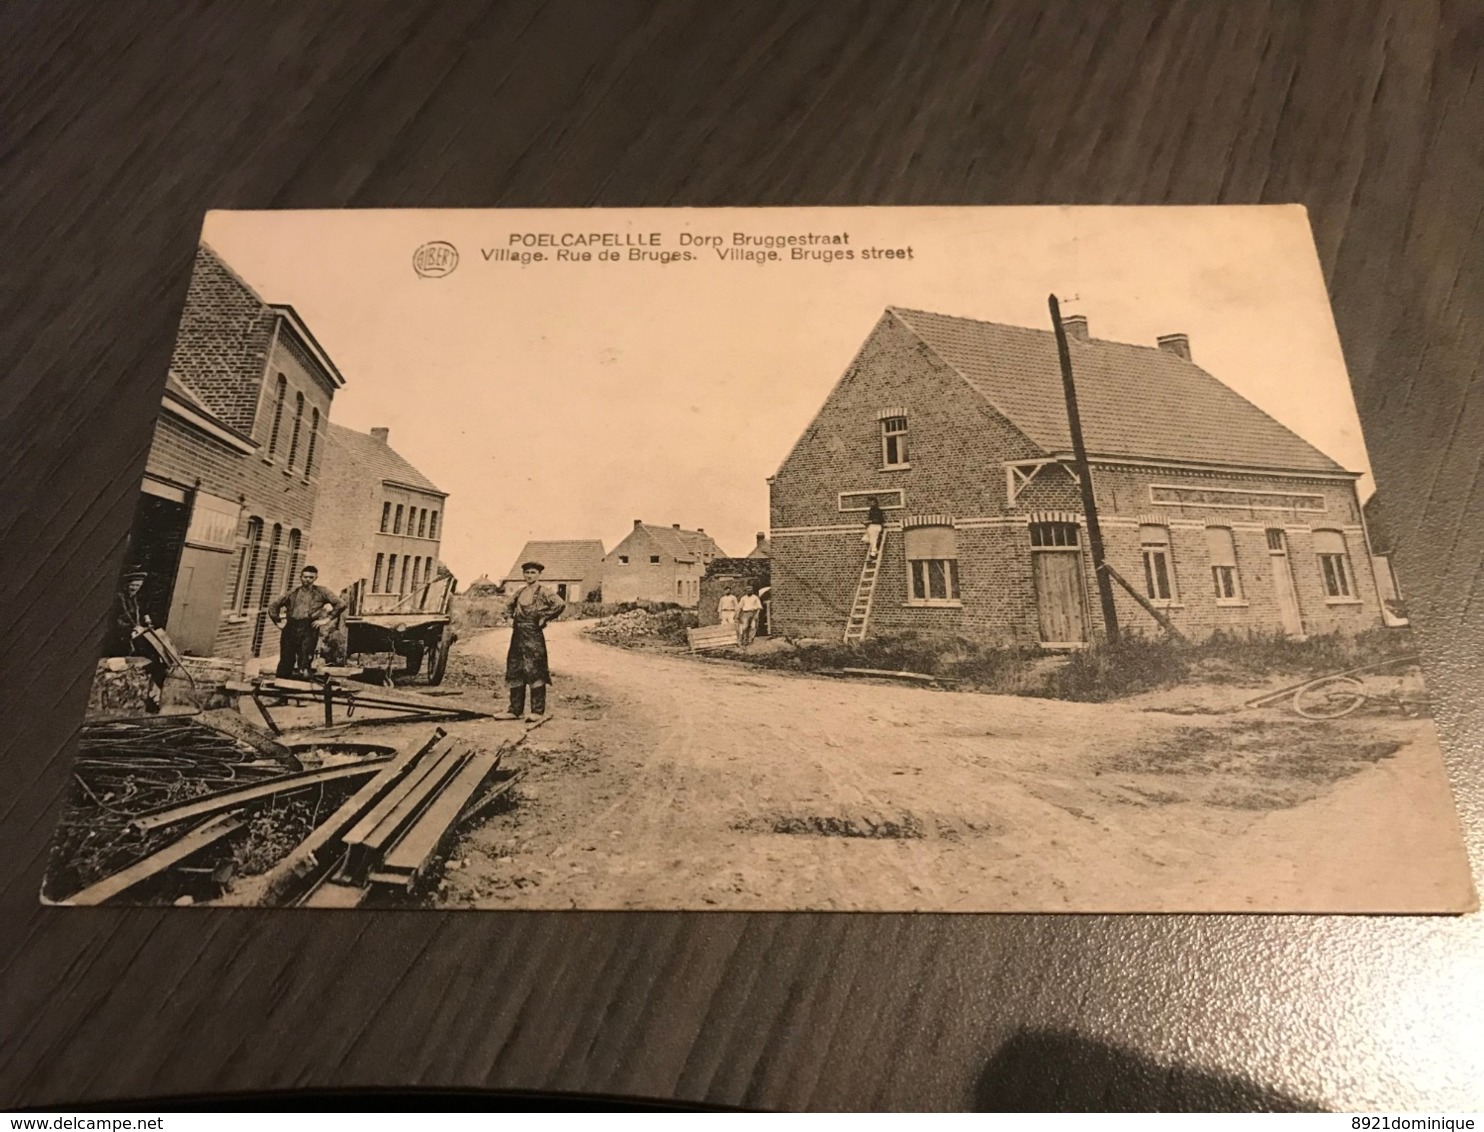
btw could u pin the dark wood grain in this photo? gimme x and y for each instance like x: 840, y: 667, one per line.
x: 124, y: 122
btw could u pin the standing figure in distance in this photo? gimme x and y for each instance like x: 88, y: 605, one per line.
x: 748, y: 611
x: 726, y: 607
x: 294, y: 614
x: 131, y: 638
x: 531, y: 609
x: 875, y: 524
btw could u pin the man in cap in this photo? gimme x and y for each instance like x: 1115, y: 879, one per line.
x: 132, y: 637
x: 531, y: 608
x: 294, y: 614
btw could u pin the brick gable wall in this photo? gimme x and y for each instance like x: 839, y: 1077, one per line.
x: 957, y: 446
x: 222, y: 344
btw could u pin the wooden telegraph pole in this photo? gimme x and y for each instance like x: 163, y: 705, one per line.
x: 1084, y: 474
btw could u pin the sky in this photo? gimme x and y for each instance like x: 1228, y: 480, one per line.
x: 565, y: 399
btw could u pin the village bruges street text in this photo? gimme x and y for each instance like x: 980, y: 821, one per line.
x: 525, y: 248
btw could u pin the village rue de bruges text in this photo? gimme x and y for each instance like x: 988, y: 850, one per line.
x: 525, y: 248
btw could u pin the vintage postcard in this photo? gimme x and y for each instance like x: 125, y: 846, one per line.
x: 878, y: 559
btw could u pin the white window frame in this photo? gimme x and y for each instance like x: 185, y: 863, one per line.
x: 1149, y: 553
x: 903, y: 446
x: 883, y: 497
x: 1336, y: 574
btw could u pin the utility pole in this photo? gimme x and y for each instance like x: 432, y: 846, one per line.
x: 1084, y: 475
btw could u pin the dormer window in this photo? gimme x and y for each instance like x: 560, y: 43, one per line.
x: 894, y: 440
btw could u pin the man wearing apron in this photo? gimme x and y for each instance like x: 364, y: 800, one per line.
x: 530, y: 609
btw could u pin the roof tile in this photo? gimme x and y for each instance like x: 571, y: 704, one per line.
x: 1140, y: 402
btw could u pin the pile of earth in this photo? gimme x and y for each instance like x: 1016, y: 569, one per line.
x: 639, y: 627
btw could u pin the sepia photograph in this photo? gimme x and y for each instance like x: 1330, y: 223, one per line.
x: 941, y: 559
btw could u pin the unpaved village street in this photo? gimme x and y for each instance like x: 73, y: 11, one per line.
x: 663, y: 781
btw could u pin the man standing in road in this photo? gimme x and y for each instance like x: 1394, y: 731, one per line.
x: 748, y: 610
x: 531, y: 609
x: 726, y: 607
x: 294, y: 614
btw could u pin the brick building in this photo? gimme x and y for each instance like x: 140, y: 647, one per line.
x: 378, y: 518
x: 574, y: 566
x: 1219, y: 515
x: 660, y: 564
x: 228, y: 493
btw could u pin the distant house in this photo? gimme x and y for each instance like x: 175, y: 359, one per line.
x: 660, y: 564
x: 761, y: 550
x: 378, y: 518
x: 229, y: 487
x: 1217, y: 514
x: 574, y: 567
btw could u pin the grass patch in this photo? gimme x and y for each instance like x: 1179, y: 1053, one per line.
x: 1102, y: 672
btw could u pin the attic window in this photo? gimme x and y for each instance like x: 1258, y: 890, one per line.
x: 654, y: 557
x: 623, y: 559
x: 894, y: 442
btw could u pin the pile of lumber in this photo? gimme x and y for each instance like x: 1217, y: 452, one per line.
x: 388, y: 832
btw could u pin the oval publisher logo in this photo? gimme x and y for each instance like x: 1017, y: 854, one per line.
x: 435, y: 260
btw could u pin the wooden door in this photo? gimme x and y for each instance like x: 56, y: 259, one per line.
x: 200, y: 594
x: 1288, y: 603
x: 1060, y: 594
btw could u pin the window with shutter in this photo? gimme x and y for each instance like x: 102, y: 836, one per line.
x: 1222, y: 549
x: 932, y: 565
x: 1334, y: 564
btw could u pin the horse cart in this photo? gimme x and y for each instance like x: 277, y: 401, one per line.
x: 416, y: 626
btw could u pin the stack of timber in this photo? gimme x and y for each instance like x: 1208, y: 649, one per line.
x: 711, y: 637
x: 389, y: 831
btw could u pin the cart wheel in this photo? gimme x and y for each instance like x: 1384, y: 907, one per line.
x: 1329, y: 698
x: 439, y: 663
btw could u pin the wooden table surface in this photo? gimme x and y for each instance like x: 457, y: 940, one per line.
x: 123, y: 122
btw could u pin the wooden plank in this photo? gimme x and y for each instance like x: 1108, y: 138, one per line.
x: 417, y: 845
x: 333, y: 894
x: 711, y: 637
x: 230, y: 799
x: 197, y: 839
x: 920, y: 676
x: 425, y: 764
x: 308, y: 857
x: 1164, y: 622
x: 407, y: 812
x: 368, y: 841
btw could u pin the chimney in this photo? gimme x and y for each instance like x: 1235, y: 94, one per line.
x: 761, y: 538
x: 638, y: 523
x: 700, y: 530
x: 381, y: 434
x: 675, y: 525
x: 1177, y: 344
x: 1076, y: 326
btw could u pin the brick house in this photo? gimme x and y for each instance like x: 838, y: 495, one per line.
x: 378, y: 518
x: 1218, y: 514
x: 659, y: 564
x: 228, y: 494
x: 574, y: 566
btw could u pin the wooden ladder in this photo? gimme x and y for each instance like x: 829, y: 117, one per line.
x: 865, y: 592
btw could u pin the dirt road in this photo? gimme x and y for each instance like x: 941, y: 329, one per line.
x: 668, y: 782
